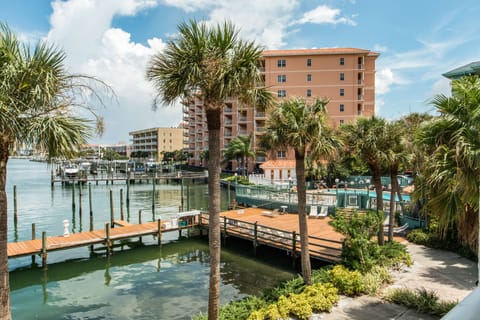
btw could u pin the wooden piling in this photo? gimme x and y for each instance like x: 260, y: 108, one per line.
x: 15, y: 208
x: 34, y: 236
x: 111, y: 209
x: 181, y: 193
x: 44, y: 250
x: 255, y: 238
x: 107, y: 241
x: 294, y: 248
x: 153, y: 198
x: 128, y: 189
x: 90, y: 205
x: 121, y: 205
x: 80, y: 203
x: 140, y: 222
x: 73, y: 197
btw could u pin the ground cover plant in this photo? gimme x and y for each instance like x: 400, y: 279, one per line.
x: 421, y: 300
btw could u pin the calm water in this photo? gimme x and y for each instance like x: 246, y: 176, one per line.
x: 149, y: 282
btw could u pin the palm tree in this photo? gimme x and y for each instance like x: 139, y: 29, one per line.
x: 396, y: 156
x: 241, y: 148
x: 209, y: 63
x: 450, y: 178
x: 38, y: 102
x: 296, y: 124
x: 367, y: 138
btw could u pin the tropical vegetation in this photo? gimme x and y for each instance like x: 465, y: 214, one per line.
x: 40, y: 104
x: 210, y: 63
x: 302, y: 126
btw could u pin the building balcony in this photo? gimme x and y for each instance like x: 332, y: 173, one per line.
x: 360, y: 97
x: 260, y: 129
x: 227, y: 110
x: 242, y: 119
x: 259, y: 114
x: 227, y: 134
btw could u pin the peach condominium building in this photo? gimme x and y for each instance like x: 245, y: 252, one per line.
x: 345, y: 76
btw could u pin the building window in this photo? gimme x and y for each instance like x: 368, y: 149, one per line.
x: 281, y: 63
x: 282, y: 78
x: 309, y: 92
x: 342, y: 107
x: 342, y: 76
x: 281, y: 154
x: 309, y: 62
x: 309, y: 77
x: 342, y: 61
x: 341, y: 121
x: 281, y: 93
x: 342, y: 92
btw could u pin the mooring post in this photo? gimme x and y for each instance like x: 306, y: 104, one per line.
x: 73, y: 197
x: 80, y: 203
x: 140, y: 221
x: 128, y: 189
x: 111, y: 209
x: 90, y: 205
x: 44, y: 250
x: 107, y: 234
x: 15, y: 208
x: 153, y: 198
x: 121, y: 205
x: 181, y: 193
x: 34, y: 236
x: 159, y: 235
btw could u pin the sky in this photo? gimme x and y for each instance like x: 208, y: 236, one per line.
x: 113, y: 40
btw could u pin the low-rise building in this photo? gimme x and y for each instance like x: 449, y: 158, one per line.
x: 150, y: 143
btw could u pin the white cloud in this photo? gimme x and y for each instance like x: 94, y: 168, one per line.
x: 83, y: 29
x: 325, y: 15
x: 441, y: 86
x: 380, y: 48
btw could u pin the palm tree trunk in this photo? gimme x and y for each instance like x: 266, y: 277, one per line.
x: 302, y: 216
x: 393, y: 190
x: 4, y: 281
x: 214, y: 123
x: 377, y: 182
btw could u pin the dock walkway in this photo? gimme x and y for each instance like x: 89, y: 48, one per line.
x: 281, y: 231
x: 124, y: 230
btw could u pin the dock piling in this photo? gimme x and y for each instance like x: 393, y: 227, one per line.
x: 255, y: 238
x: 73, y: 197
x: 34, y: 236
x: 90, y: 205
x: 111, y: 209
x: 107, y: 241
x: 159, y: 235
x: 44, y: 250
x: 121, y: 205
x: 15, y: 208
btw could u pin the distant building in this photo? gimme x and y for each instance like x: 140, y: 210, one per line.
x: 470, y: 69
x: 346, y: 76
x: 154, y: 141
x: 96, y: 151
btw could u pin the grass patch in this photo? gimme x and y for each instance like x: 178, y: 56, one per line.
x: 421, y: 300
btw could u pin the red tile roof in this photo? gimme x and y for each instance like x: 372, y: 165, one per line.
x: 304, y: 52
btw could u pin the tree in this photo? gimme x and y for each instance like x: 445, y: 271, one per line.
x: 209, y: 63
x: 450, y: 176
x: 296, y: 124
x: 38, y: 102
x: 367, y: 138
x: 241, y: 148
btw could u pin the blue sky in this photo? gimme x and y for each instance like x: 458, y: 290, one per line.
x: 114, y: 39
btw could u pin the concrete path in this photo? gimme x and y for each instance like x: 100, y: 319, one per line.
x: 451, y: 276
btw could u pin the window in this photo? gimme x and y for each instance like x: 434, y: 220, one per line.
x: 342, y: 107
x: 309, y: 77
x: 281, y: 154
x: 282, y: 78
x: 342, y: 76
x: 342, y: 92
x: 341, y: 121
x: 281, y: 63
x: 309, y: 92
x: 281, y: 93
x: 342, y: 61
x: 309, y: 62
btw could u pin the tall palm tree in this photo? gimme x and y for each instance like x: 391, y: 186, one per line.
x: 452, y: 173
x: 210, y: 63
x: 241, y: 148
x: 38, y: 102
x: 302, y: 126
x: 367, y: 138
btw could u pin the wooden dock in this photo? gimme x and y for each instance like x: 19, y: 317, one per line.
x: 124, y: 230
x: 281, y: 231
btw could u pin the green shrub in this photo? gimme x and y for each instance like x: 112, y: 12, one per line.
x: 241, y: 309
x: 373, y: 280
x: 295, y: 285
x: 322, y: 275
x: 418, y: 236
x: 299, y: 305
x: 420, y: 300
x: 347, y: 282
x: 322, y: 297
x: 393, y: 254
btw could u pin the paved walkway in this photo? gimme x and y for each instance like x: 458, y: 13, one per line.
x: 451, y: 276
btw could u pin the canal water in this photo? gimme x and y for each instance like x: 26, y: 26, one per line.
x: 140, y: 280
